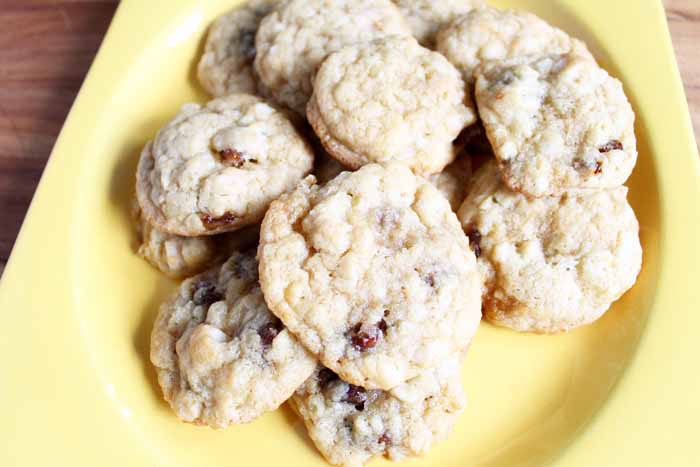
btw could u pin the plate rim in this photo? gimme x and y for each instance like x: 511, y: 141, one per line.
x: 674, y: 408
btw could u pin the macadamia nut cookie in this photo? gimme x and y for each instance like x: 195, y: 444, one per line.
x: 226, y: 67
x: 221, y: 356
x: 550, y: 264
x: 216, y: 168
x: 372, y: 273
x: 295, y: 38
x: 390, y: 100
x: 489, y: 34
x: 557, y: 123
x: 427, y: 17
x: 350, y: 425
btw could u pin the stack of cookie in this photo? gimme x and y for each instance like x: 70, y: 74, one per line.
x: 355, y: 293
x: 548, y: 217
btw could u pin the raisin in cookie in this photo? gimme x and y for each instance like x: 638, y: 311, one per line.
x: 216, y: 168
x: 489, y: 34
x: 226, y: 67
x: 372, y: 272
x: 390, y: 100
x: 427, y: 17
x: 550, y: 264
x: 350, y: 425
x: 221, y: 356
x: 293, y: 40
x: 179, y: 257
x: 557, y: 123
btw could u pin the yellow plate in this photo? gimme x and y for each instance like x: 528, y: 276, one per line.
x: 77, y: 305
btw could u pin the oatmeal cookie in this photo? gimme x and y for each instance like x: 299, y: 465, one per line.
x: 489, y: 34
x: 390, y: 100
x: 226, y: 67
x: 294, y: 39
x: 216, y: 168
x: 372, y: 272
x: 557, y: 123
x: 221, y: 356
x: 427, y: 17
x: 550, y: 264
x: 350, y: 425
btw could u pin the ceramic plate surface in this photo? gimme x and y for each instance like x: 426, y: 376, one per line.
x: 77, y: 305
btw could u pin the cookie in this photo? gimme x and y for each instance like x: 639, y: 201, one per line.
x: 350, y: 425
x: 389, y: 100
x: 179, y: 257
x: 294, y: 39
x: 557, y: 123
x: 489, y: 34
x: 221, y: 356
x: 427, y: 17
x: 215, y: 168
x: 226, y: 67
x: 372, y: 272
x: 550, y: 264
x: 453, y: 182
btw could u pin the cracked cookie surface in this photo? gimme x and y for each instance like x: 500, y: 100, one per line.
x: 557, y: 123
x: 550, y: 264
x: 215, y: 168
x: 221, y: 356
x: 350, y: 425
x: 226, y: 67
x: 390, y: 100
x: 372, y: 272
x: 295, y: 38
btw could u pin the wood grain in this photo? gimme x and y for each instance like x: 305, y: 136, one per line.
x: 46, y: 47
x: 684, y: 23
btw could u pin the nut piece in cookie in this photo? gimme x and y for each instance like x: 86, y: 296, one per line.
x: 216, y: 168
x: 372, y: 272
x: 489, y: 34
x: 221, y: 356
x: 295, y: 38
x: 390, y: 100
x: 550, y: 264
x: 557, y: 123
x: 427, y: 17
x: 350, y: 425
x: 226, y: 67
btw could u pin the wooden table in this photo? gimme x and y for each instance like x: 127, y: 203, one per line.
x: 46, y: 47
